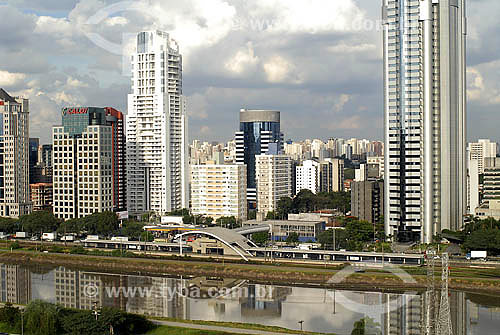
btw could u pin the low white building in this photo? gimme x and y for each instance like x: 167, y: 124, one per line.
x: 219, y: 190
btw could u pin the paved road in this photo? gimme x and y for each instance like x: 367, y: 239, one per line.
x: 217, y: 328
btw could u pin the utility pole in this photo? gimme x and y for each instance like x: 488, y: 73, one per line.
x: 444, y: 326
x: 429, y: 315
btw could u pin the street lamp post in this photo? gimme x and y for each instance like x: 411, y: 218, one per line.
x: 301, y: 323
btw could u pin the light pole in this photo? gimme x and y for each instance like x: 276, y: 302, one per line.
x: 22, y: 322
x: 301, y: 322
x: 96, y: 311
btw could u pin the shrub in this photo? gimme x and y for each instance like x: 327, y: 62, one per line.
x: 79, y: 250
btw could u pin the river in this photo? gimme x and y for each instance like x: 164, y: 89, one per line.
x: 231, y: 300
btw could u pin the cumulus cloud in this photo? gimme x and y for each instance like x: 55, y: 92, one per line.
x: 8, y: 79
x: 243, y: 61
x: 280, y: 70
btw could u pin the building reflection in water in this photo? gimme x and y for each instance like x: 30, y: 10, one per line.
x: 246, y: 302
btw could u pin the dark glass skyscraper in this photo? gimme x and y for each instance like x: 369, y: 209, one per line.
x: 258, y: 128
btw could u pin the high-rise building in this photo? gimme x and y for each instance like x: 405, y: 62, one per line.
x: 219, y: 190
x: 45, y: 155
x: 274, y: 181
x: 86, y: 154
x: 308, y: 176
x: 41, y: 196
x: 424, y: 86
x: 258, y: 128
x: 481, y: 150
x: 114, y: 119
x: 367, y: 200
x: 14, y: 156
x: 332, y: 175
x: 34, y: 143
x: 491, y: 179
x: 157, y: 148
x: 472, y: 183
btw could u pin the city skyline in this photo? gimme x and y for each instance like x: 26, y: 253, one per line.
x: 248, y: 70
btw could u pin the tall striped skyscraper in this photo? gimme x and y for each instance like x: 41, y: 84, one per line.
x: 424, y: 86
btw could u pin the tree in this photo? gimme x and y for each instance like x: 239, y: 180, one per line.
x: 147, y: 236
x: 41, y: 318
x: 326, y: 239
x: 271, y: 216
x: 260, y: 238
x: 39, y: 222
x: 104, y: 223
x: 10, y: 315
x: 349, y: 173
x: 292, y: 238
x: 133, y: 230
x: 487, y: 239
x: 358, y: 234
x: 284, y: 207
x: 304, y: 202
x: 252, y: 215
x: 227, y: 222
x: 71, y: 226
x: 8, y: 225
x: 366, y: 326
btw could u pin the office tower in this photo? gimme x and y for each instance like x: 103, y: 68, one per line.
x: 14, y: 156
x: 34, y: 143
x: 87, y: 162
x: 45, y: 155
x: 274, y: 181
x: 481, y: 150
x: 258, y: 128
x: 332, y: 175
x: 424, y: 86
x: 367, y: 200
x: 114, y: 119
x: 157, y: 148
x: 219, y: 190
x: 308, y: 176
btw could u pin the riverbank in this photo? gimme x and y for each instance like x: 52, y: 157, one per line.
x: 473, y: 280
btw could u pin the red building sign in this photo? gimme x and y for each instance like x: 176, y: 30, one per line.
x: 77, y: 110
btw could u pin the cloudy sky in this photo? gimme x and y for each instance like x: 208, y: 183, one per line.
x: 317, y: 61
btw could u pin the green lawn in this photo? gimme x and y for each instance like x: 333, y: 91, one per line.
x: 166, y: 330
x: 249, y: 326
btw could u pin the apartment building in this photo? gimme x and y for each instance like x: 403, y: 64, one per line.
x: 274, y: 180
x: 219, y: 190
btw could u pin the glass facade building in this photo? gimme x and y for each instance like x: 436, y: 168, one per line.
x: 258, y: 129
